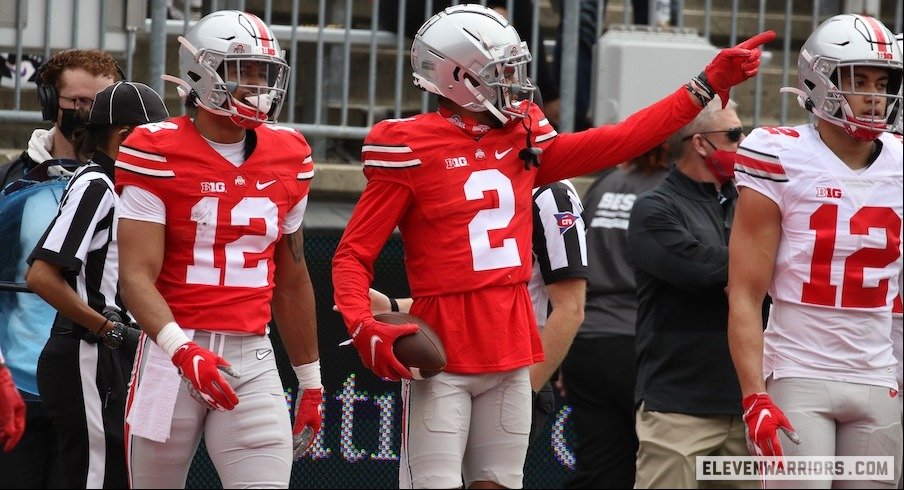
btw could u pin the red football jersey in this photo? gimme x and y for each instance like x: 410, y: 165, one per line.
x: 463, y: 205
x: 222, y: 221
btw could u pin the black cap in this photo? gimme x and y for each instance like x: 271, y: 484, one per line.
x: 127, y: 104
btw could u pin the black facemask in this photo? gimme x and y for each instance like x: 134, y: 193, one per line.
x: 68, y: 122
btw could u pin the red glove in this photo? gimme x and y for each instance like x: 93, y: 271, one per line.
x: 374, y: 342
x: 308, y: 418
x: 734, y: 65
x: 12, y: 412
x: 202, y: 369
x: 763, y: 420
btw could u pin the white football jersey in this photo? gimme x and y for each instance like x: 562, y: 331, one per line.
x: 839, y: 257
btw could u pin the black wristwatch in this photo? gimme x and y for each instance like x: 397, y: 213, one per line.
x: 115, y: 337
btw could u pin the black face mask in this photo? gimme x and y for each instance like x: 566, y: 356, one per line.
x: 68, y: 122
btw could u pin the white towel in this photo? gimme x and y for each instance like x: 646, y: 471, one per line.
x: 151, y: 412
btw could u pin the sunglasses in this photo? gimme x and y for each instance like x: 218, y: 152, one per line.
x: 733, y: 134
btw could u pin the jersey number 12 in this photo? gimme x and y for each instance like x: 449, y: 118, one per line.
x: 854, y: 294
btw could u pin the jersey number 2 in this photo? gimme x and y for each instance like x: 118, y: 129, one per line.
x: 819, y: 290
x: 485, y: 256
x: 205, y: 215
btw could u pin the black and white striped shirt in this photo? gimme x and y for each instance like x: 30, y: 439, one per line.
x: 81, y: 239
x: 559, y: 242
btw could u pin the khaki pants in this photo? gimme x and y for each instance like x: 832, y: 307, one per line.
x: 671, y: 442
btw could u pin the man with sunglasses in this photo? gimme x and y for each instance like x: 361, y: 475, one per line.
x: 687, y: 399
x: 819, y: 229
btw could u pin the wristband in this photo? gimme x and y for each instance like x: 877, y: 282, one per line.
x: 99, y: 329
x: 308, y: 375
x: 393, y: 305
x: 701, y: 90
x: 170, y: 338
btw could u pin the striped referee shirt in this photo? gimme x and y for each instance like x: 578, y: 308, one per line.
x: 559, y: 242
x: 81, y: 239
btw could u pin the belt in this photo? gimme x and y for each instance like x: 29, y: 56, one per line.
x: 65, y: 326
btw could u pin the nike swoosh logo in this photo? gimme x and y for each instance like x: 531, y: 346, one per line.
x: 262, y: 353
x: 195, y: 362
x: 759, y: 421
x: 501, y: 154
x: 261, y: 186
x: 374, y: 340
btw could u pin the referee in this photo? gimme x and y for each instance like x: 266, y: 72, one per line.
x: 557, y: 286
x: 84, y: 368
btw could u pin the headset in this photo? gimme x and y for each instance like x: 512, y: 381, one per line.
x: 50, y: 98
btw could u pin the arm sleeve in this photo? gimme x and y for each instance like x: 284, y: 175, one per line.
x: 758, y: 166
x: 295, y: 216
x: 559, y: 241
x: 573, y: 154
x: 662, y: 246
x: 141, y: 205
x: 378, y: 211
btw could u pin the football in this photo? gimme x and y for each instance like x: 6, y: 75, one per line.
x: 422, y: 352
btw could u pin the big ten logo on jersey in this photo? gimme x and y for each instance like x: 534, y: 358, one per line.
x: 370, y: 427
x: 831, y: 192
x: 213, y: 187
x: 456, y: 162
x: 613, y: 210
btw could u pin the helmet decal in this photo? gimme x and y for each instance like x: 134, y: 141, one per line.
x: 874, y: 33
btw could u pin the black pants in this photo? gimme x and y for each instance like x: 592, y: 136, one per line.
x: 599, y: 378
x: 34, y: 462
x: 83, y: 387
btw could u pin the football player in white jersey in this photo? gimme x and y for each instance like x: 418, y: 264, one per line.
x: 818, y: 227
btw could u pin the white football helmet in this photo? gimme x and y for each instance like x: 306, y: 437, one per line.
x: 471, y: 55
x: 849, y: 41
x: 230, y: 64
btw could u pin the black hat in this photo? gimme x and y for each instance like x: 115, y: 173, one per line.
x: 127, y: 104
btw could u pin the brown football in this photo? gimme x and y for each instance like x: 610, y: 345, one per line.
x: 422, y: 352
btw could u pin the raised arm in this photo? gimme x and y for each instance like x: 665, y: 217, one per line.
x: 606, y: 146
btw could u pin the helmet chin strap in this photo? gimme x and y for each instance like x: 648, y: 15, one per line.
x: 854, y: 129
x: 801, y: 96
x: 259, y: 103
x: 480, y: 98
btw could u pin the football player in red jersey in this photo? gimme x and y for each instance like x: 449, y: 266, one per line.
x: 211, y: 237
x: 457, y: 182
x: 818, y: 226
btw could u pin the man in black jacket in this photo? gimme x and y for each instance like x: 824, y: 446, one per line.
x: 686, y: 396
